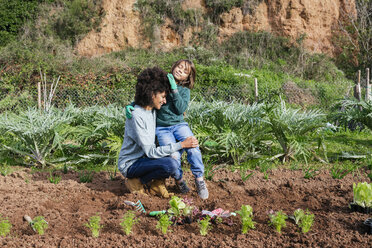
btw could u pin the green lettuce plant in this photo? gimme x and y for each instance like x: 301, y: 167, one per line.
x: 246, y: 214
x: 179, y: 209
x: 363, y: 194
x: 94, y: 225
x: 298, y: 214
x: 128, y: 221
x: 39, y: 224
x: 205, y: 225
x: 278, y: 220
x: 306, y: 222
x: 164, y: 223
x: 5, y: 226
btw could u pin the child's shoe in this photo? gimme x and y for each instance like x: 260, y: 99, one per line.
x: 202, y: 190
x: 182, y: 186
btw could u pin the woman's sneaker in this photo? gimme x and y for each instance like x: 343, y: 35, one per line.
x: 202, y: 190
x: 182, y: 186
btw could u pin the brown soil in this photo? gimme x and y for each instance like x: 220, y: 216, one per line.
x: 69, y: 204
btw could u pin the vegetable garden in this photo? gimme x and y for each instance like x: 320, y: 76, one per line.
x: 278, y: 176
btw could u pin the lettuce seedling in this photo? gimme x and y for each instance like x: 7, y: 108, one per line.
x: 298, y: 214
x: 278, y: 220
x: 39, y: 224
x: 94, y: 225
x: 306, y: 222
x: 54, y: 178
x: 179, y: 208
x: 128, y: 221
x: 164, y: 223
x: 5, y: 226
x: 363, y: 194
x: 246, y: 214
x: 205, y: 225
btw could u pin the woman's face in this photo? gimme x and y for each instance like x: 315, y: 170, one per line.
x: 181, y: 72
x: 159, y: 99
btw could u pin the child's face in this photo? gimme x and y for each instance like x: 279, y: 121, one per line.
x: 181, y: 72
x: 159, y: 99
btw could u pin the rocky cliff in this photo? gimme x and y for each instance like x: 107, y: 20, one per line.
x: 122, y: 25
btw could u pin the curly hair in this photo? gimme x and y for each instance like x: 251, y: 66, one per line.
x: 149, y: 82
x: 190, y: 81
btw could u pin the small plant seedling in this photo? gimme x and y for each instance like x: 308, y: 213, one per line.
x: 94, y: 225
x: 310, y: 172
x: 65, y: 169
x: 363, y: 194
x: 128, y: 221
x: 5, y: 226
x: 306, y: 222
x: 54, y: 178
x: 205, y: 225
x: 164, y: 223
x: 39, y: 224
x: 179, y: 208
x: 86, y: 176
x: 298, y: 214
x: 246, y: 214
x: 5, y: 169
x: 339, y: 171
x: 278, y: 220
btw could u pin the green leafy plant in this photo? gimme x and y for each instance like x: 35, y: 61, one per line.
x: 5, y: 226
x: 277, y: 220
x: 128, y: 221
x: 246, y: 214
x: 5, y: 169
x: 164, y: 223
x: 39, y: 224
x: 205, y: 225
x: 306, y: 221
x: 94, y: 225
x: 298, y: 214
x: 54, y: 178
x: 363, y: 194
x: 340, y: 170
x: 310, y: 172
x: 179, y: 209
x: 86, y: 176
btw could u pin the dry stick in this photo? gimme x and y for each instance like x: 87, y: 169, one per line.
x: 39, y: 95
x: 357, y: 93
x: 256, y: 89
x: 368, y: 87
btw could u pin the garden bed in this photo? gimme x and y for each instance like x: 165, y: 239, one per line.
x: 69, y: 204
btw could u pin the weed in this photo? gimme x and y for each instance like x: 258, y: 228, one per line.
x: 65, y: 169
x: 339, y: 171
x: 39, y: 224
x: 94, y: 225
x: 164, y: 223
x: 277, y: 220
x: 205, y: 225
x: 310, y: 172
x: 54, y: 178
x: 246, y: 214
x: 128, y: 221
x: 86, y: 176
x: 5, y: 226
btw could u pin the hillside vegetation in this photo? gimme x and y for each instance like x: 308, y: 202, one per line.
x: 40, y: 36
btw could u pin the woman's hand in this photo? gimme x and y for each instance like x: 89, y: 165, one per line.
x: 190, y: 142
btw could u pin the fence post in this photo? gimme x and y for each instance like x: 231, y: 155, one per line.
x: 357, y: 93
x: 368, y: 87
x: 39, y: 95
x: 256, y: 90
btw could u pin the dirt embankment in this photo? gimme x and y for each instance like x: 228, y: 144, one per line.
x: 69, y: 204
x: 317, y: 19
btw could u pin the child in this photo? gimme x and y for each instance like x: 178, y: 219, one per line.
x: 140, y: 160
x: 171, y: 127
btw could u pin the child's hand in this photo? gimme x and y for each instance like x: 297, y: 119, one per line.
x: 190, y: 142
x: 172, y: 82
x: 128, y: 111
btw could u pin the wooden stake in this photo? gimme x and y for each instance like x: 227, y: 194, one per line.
x: 39, y: 95
x: 256, y: 89
x: 368, y: 87
x: 357, y: 93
